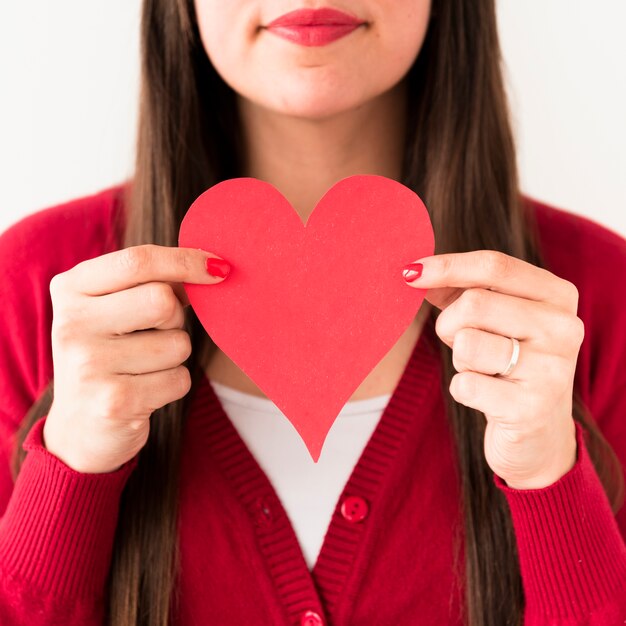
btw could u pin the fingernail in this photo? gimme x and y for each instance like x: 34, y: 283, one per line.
x: 412, y: 271
x: 217, y: 267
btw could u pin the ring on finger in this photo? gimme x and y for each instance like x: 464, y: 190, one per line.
x: 513, y: 360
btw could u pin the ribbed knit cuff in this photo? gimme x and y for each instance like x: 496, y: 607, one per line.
x: 57, y: 533
x: 572, y: 556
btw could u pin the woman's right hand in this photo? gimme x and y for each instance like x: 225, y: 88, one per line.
x: 117, y: 348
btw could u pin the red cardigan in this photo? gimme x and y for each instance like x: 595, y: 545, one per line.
x: 392, y: 565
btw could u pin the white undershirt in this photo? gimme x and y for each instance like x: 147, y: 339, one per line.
x: 308, y: 491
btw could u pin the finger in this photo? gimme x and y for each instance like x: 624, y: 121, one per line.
x: 444, y: 274
x: 153, y: 390
x: 498, y: 398
x: 146, y: 351
x: 479, y: 351
x: 511, y: 317
x: 132, y: 266
x: 149, y: 305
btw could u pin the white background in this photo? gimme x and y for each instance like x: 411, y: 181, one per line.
x: 69, y: 83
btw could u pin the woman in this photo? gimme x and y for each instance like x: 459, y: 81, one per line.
x: 475, y: 500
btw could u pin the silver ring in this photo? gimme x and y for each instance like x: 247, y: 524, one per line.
x: 514, y: 356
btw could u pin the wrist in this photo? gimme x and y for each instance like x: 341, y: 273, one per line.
x: 562, y: 463
x: 53, y: 442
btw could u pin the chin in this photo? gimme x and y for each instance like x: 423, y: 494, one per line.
x: 319, y: 109
x: 312, y: 101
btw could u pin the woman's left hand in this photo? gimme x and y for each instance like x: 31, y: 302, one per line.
x: 486, y: 298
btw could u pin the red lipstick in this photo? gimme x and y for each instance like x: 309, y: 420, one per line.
x: 314, y: 27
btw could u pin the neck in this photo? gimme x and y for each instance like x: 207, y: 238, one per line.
x: 303, y: 158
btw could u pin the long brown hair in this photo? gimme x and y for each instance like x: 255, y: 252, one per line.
x: 459, y: 157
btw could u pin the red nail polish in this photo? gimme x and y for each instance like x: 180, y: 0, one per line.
x: 217, y: 267
x: 412, y: 271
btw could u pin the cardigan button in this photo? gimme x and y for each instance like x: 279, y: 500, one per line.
x: 311, y: 618
x: 354, y: 509
x: 262, y: 512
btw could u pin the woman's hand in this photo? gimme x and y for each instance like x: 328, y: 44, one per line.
x: 486, y: 298
x: 117, y: 346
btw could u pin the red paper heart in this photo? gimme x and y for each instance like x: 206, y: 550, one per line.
x: 307, y: 311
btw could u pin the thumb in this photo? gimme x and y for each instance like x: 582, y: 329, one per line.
x: 180, y: 293
x: 442, y: 297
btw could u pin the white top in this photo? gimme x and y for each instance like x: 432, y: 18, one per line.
x: 308, y: 491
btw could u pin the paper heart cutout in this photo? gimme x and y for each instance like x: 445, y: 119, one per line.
x: 307, y: 311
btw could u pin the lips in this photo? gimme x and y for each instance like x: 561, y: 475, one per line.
x: 314, y: 27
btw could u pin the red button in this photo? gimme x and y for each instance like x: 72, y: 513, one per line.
x: 311, y: 618
x: 262, y: 512
x: 354, y: 509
